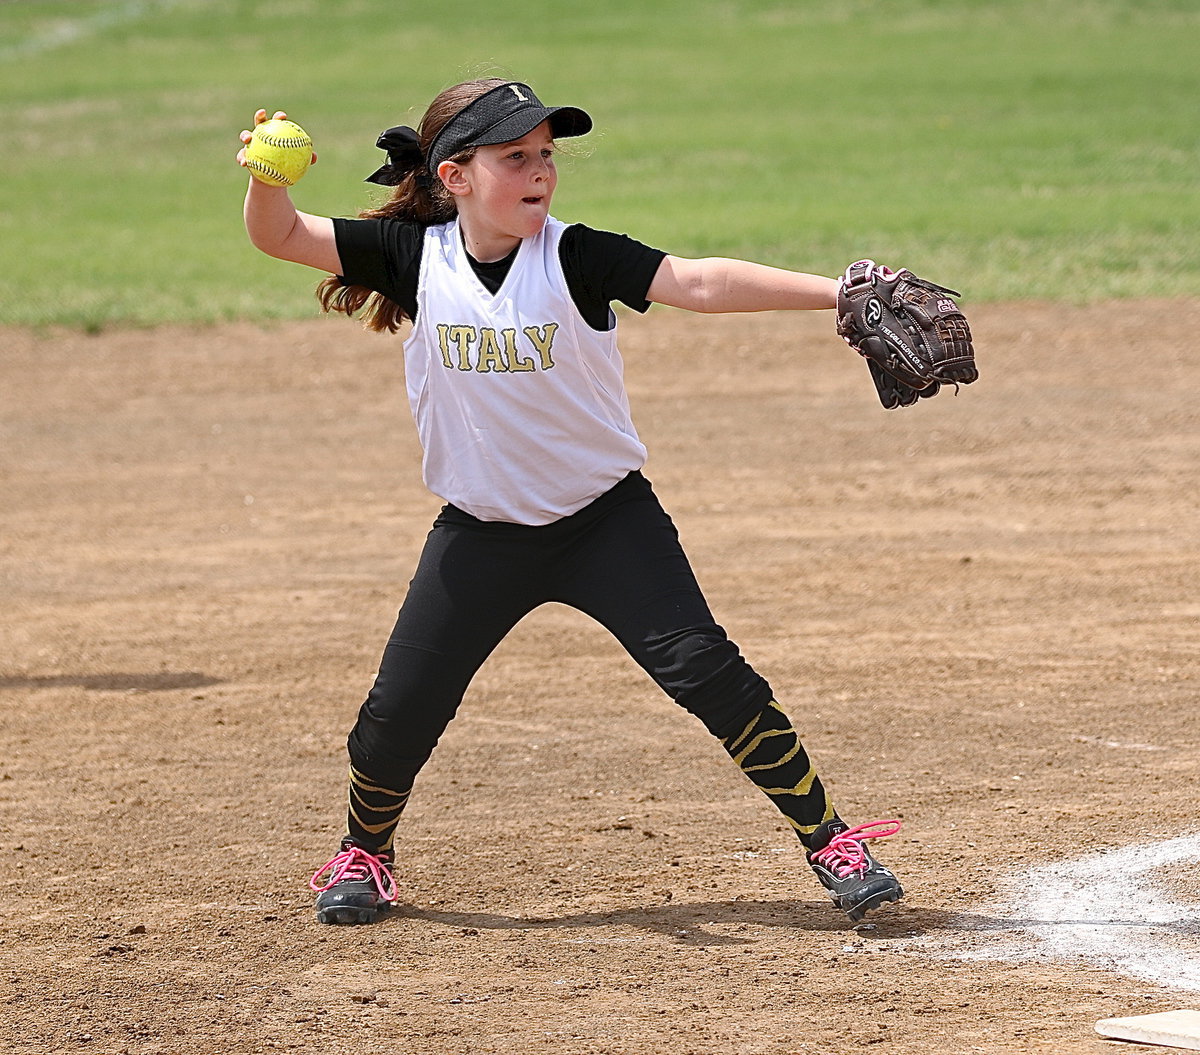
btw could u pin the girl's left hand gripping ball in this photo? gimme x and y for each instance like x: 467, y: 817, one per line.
x: 279, y: 152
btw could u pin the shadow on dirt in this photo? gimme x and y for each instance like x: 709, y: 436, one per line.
x: 690, y: 923
x: 161, y: 681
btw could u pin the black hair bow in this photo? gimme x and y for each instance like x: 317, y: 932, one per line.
x: 404, y: 152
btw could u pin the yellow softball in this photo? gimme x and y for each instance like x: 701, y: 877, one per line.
x: 279, y: 153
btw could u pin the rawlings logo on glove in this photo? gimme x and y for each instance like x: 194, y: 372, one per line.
x: 911, y: 332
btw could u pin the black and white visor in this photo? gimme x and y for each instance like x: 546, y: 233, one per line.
x: 503, y: 114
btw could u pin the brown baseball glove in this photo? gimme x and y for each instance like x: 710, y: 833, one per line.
x: 911, y: 332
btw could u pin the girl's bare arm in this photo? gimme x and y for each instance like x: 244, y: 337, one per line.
x: 279, y: 229
x: 717, y: 284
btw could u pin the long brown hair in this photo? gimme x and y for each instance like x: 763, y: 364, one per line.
x: 418, y: 198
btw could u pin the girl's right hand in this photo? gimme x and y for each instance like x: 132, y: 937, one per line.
x: 260, y: 116
x: 277, y: 228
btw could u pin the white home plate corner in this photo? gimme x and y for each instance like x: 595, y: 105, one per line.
x: 1175, y: 1029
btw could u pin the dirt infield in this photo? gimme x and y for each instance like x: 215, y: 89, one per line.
x: 981, y: 612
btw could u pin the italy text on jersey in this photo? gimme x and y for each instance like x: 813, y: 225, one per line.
x: 486, y: 350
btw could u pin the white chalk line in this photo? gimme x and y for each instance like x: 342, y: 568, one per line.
x: 71, y: 31
x: 1113, y: 910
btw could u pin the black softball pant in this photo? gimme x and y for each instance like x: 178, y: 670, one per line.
x: 618, y: 560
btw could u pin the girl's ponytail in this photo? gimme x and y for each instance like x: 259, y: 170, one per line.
x: 418, y: 197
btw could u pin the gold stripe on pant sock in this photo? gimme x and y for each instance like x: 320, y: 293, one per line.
x: 374, y: 812
x: 770, y: 753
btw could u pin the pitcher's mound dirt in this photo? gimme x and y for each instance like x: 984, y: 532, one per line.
x: 981, y: 611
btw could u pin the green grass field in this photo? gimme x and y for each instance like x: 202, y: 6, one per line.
x: 1019, y: 149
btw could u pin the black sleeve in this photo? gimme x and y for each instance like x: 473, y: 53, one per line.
x: 383, y: 255
x: 601, y: 267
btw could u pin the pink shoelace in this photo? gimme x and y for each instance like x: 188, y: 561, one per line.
x: 356, y: 865
x: 845, y: 854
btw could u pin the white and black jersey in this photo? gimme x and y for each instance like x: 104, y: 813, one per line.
x: 600, y: 267
x: 518, y: 398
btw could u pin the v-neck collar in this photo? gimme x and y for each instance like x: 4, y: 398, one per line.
x: 491, y: 300
x: 494, y: 268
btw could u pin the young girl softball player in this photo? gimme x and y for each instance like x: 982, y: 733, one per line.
x: 515, y: 383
